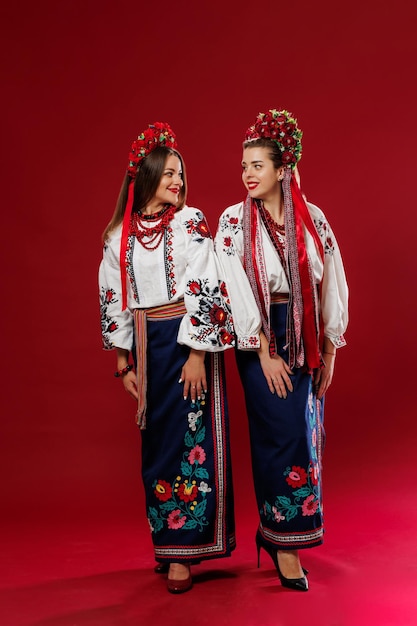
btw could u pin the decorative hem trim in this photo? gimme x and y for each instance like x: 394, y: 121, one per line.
x: 196, y: 551
x: 301, y: 539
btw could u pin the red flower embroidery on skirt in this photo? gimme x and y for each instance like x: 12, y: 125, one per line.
x: 297, y: 476
x: 310, y: 505
x: 197, y: 455
x: 176, y: 520
x: 187, y: 492
x: 163, y: 490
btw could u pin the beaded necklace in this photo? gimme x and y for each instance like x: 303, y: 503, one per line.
x: 151, y: 237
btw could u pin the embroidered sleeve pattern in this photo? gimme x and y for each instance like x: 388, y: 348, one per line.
x: 212, y: 317
x: 334, y: 298
x: 228, y: 226
x: 208, y: 324
x: 108, y: 325
x: 116, y: 325
x: 229, y: 249
x: 198, y: 228
x: 326, y: 236
x: 249, y: 343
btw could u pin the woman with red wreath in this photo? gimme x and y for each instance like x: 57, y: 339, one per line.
x: 289, y: 296
x: 161, y: 299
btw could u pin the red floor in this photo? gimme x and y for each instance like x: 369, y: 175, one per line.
x: 98, y: 572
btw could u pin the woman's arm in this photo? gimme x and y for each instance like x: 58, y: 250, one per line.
x: 128, y: 379
x: 324, y: 376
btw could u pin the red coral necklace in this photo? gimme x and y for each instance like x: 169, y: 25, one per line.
x: 150, y: 237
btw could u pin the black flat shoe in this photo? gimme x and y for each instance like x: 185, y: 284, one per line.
x: 299, y: 584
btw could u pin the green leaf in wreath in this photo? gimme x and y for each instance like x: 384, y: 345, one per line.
x: 188, y: 440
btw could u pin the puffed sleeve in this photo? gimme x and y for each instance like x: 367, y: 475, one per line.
x: 116, y: 325
x: 334, y: 288
x: 229, y: 249
x: 208, y: 324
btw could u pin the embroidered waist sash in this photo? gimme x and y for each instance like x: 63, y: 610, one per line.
x: 167, y: 312
x: 277, y: 298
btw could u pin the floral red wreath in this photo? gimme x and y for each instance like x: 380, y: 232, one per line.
x: 282, y: 128
x: 157, y: 134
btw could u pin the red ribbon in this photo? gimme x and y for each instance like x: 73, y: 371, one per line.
x: 123, y: 242
x: 309, y: 329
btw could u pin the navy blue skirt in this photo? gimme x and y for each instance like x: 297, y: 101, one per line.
x: 287, y: 439
x: 186, y: 466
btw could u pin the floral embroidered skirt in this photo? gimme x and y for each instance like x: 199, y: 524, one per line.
x: 286, y: 438
x: 186, y: 466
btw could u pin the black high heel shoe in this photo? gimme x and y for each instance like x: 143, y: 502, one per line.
x: 299, y: 584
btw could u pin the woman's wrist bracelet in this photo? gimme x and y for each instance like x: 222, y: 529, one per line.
x: 123, y: 371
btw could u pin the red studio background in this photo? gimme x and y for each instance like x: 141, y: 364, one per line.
x: 81, y: 79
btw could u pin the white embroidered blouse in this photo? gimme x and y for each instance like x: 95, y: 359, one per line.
x: 247, y: 321
x: 184, y: 265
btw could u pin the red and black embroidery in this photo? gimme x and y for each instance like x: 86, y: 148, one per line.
x: 229, y: 224
x: 169, y: 262
x: 326, y: 236
x: 129, y: 265
x: 212, y: 319
x: 108, y: 325
x: 198, y: 227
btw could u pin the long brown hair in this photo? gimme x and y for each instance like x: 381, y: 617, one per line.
x: 146, y: 183
x: 265, y: 142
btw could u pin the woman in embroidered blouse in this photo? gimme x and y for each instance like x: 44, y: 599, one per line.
x: 288, y: 292
x: 160, y: 292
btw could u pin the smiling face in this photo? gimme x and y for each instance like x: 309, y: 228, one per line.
x: 170, y: 183
x: 259, y: 175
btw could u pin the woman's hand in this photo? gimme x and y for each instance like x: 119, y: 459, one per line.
x: 130, y: 384
x: 193, y: 375
x: 276, y: 372
x: 275, y: 369
x: 128, y: 379
x: 324, y: 376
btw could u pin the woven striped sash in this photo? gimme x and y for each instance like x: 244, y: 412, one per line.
x: 164, y: 312
x: 276, y: 298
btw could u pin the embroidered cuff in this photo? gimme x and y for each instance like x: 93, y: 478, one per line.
x: 248, y: 343
x: 337, y: 340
